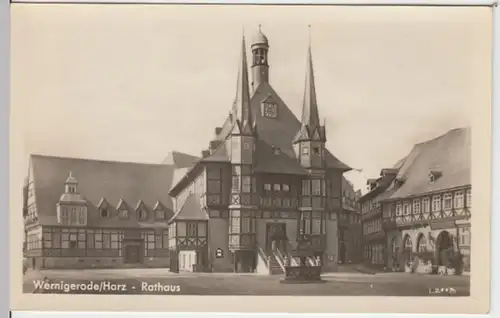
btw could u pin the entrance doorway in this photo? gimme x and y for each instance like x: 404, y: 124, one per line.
x: 444, y: 246
x: 276, y: 232
x: 132, y: 252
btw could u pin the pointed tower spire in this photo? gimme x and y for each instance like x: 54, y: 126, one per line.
x: 310, y: 116
x: 311, y: 128
x: 242, y: 112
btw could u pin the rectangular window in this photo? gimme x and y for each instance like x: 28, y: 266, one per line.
x: 436, y: 203
x: 316, y: 187
x: 306, y: 187
x: 235, y: 224
x: 181, y: 229
x: 158, y: 241
x: 90, y: 240
x: 247, y: 184
x: 459, y: 200
x: 469, y: 198
x: 305, y: 150
x: 286, y: 203
x: 407, y: 208
x: 115, y: 240
x: 465, y: 236
x: 246, y: 225
x: 106, y: 241
x: 81, y: 216
x: 267, y: 186
x: 236, y: 184
x: 425, y: 205
x: 191, y: 229
x: 316, y: 226
x: 416, y: 206
x: 151, y: 241
x: 202, y: 229
x: 73, y: 216
x: 286, y: 187
x: 165, y: 238
x: 277, y: 187
x: 447, y: 201
x: 306, y: 219
x: 47, y: 240
x: 398, y: 209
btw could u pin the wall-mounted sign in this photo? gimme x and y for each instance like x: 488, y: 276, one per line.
x: 219, y: 253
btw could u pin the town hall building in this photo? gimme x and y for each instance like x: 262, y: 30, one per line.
x: 266, y: 189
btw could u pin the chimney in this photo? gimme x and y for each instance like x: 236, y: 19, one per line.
x: 218, y: 130
x: 205, y: 153
x: 214, y: 144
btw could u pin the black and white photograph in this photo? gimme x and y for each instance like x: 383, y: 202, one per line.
x: 251, y: 150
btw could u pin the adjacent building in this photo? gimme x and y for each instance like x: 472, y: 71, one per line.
x: 374, y: 235
x: 265, y: 189
x: 428, y: 215
x: 350, y: 226
x: 418, y: 217
x: 92, y: 213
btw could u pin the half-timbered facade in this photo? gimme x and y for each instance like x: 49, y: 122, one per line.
x: 267, y: 187
x: 428, y: 215
x: 350, y: 226
x: 81, y: 213
x: 374, y: 235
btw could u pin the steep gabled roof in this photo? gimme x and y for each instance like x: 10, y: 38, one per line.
x: 191, y: 210
x: 279, y: 132
x: 450, y: 154
x: 122, y: 205
x: 97, y: 180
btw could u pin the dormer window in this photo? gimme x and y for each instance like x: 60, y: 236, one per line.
x: 399, y: 181
x: 276, y: 150
x: 104, y: 213
x: 316, y: 150
x: 123, y: 214
x: 305, y: 151
x: 143, y: 214
x: 434, y: 175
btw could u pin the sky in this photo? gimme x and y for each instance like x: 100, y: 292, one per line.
x: 132, y: 83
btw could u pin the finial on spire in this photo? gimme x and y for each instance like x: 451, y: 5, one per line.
x: 309, y: 28
x: 260, y: 27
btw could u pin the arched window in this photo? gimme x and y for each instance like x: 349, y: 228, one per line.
x: 407, y: 242
x: 421, y: 243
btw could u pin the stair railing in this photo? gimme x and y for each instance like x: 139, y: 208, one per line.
x: 264, y: 257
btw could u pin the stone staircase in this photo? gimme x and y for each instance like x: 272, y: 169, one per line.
x: 275, y: 267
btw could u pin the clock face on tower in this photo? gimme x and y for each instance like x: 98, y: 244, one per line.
x: 270, y: 110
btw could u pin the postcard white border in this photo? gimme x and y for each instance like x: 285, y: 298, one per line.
x: 4, y: 156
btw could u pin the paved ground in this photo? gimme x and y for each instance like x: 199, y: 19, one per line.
x: 160, y: 281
